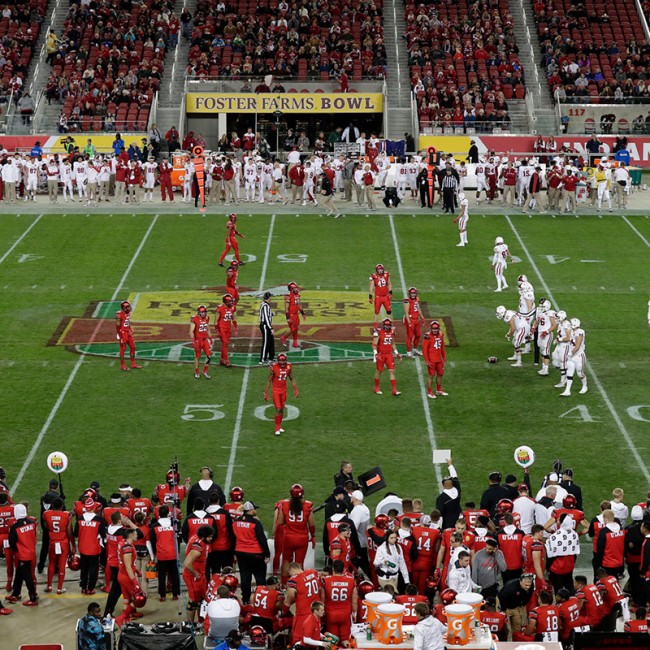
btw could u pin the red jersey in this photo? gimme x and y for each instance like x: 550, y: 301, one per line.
x: 88, y: 533
x: 509, y: 175
x: 409, y: 602
x: 266, y: 602
x: 409, y: 547
x: 412, y: 310
x: 224, y: 539
x: 529, y: 546
x: 570, y: 182
x: 433, y: 348
x: 375, y: 538
x: 338, y: 593
x: 386, y: 340
x: 512, y: 544
x: 80, y: 508
x: 471, y: 516
x: 307, y: 586
x: 381, y: 283
x: 192, y: 524
x: 7, y: 520
x: 547, y: 617
x: 138, y: 505
x: 611, y: 591
x: 163, y: 537
x: 124, y: 326
x: 345, y: 548
x: 233, y: 508
x: 592, y: 605
x: 165, y: 171
x: 280, y: 375
x: 610, y: 547
x: 494, y: 620
x: 427, y: 541
x: 310, y: 629
x: 170, y: 494
x: 225, y: 317
x: 636, y: 626
x: 195, y: 544
x: 113, y: 539
x: 569, y: 615
x: 231, y: 230
x: 126, y: 548
x: 201, y: 327
x: 292, y: 303
x: 108, y: 512
x: 56, y: 522
x: 231, y: 278
x: 22, y: 538
x: 468, y: 541
x: 576, y: 515
x: 296, y: 524
x: 439, y: 612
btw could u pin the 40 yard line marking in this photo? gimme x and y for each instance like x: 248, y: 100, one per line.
x: 75, y: 370
x: 418, y: 366
x: 244, y: 386
x: 6, y: 255
x: 599, y: 386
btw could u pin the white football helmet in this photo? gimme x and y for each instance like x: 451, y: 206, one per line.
x: 461, y: 196
x: 544, y: 305
x: 509, y: 315
x: 560, y: 316
x: 575, y: 323
x: 498, y: 240
x: 522, y: 278
x: 501, y: 312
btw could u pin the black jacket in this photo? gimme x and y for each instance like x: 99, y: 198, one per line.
x: 449, y: 508
x: 513, y: 595
x: 196, y: 491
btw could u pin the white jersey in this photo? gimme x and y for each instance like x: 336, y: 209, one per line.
x: 500, y: 255
x: 31, y: 171
x: 545, y: 320
x: 525, y: 172
x: 149, y: 169
x: 310, y: 175
x: 250, y: 173
x: 464, y: 209
x: 81, y: 169
x: 65, y: 169
x: 563, y: 334
x: 525, y: 296
x: 278, y: 175
x: 575, y: 335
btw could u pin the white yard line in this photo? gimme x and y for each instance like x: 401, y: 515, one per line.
x: 75, y: 370
x: 247, y: 371
x: 641, y: 237
x: 594, y: 376
x: 418, y: 365
x: 6, y: 255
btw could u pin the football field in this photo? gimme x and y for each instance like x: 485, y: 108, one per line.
x: 63, y: 276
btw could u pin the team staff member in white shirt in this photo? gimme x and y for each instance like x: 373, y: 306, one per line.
x: 621, y: 180
x: 389, y: 562
x: 428, y: 631
x: 460, y: 575
x: 53, y: 175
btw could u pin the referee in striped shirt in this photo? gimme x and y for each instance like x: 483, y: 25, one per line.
x: 449, y: 186
x: 266, y: 327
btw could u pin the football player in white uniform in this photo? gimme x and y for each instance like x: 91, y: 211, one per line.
x: 526, y: 308
x: 462, y: 219
x: 80, y: 175
x: 65, y: 169
x: 401, y: 178
x: 561, y: 351
x: 545, y: 325
x: 31, y: 169
x: 524, y: 173
x: 250, y: 176
x: 279, y: 183
x: 500, y: 263
x: 309, y: 191
x: 413, y: 169
x: 481, y: 182
x: 188, y: 173
x: 576, y: 359
x: 516, y: 332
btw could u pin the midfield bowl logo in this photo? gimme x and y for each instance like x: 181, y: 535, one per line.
x: 338, y: 326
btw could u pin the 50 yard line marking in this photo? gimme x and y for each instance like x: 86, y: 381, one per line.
x: 418, y: 366
x: 75, y: 370
x: 6, y: 255
x: 244, y: 386
x: 599, y: 386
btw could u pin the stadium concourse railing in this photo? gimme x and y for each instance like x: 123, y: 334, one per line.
x: 5, y: 109
x: 603, y: 115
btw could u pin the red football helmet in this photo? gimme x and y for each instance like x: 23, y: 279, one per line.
x: 139, y: 599
x: 381, y: 521
x: 73, y: 562
x: 505, y: 505
x: 126, y: 306
x: 232, y: 216
x: 173, y: 477
x: 435, y: 326
x: 282, y: 359
x: 380, y: 269
x: 234, y: 264
x: 365, y: 588
x: 231, y: 581
x: 236, y: 494
x: 89, y: 493
x: 569, y: 502
x: 413, y: 292
x: 297, y: 490
x: 387, y: 324
x: 434, y: 580
x: 258, y: 635
x: 228, y: 300
x: 292, y: 286
x: 202, y: 311
x: 448, y: 596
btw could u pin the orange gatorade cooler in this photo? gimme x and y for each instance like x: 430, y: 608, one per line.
x: 474, y: 601
x: 389, y: 625
x: 459, y: 624
x: 372, y: 601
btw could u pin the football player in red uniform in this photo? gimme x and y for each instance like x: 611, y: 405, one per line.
x: 293, y: 310
x: 58, y: 523
x: 280, y: 371
x: 232, y: 273
x: 225, y: 320
x: 171, y: 493
x: 569, y: 613
x: 303, y: 589
x: 196, y: 557
x: 267, y: 603
x: 543, y: 621
x: 126, y: 575
x: 7, y: 520
x: 384, y: 349
x: 339, y: 593
x: 231, y: 239
x: 124, y: 331
x: 296, y: 516
x: 435, y: 356
x: 494, y: 619
x: 380, y: 291
x: 413, y: 320
x: 592, y: 606
x: 410, y: 599
x: 201, y: 340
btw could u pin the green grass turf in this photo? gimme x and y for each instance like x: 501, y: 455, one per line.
x: 119, y: 427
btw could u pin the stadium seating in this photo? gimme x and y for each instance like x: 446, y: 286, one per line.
x: 592, y: 51
x: 464, y: 63
x: 109, y: 64
x: 20, y: 24
x: 253, y: 39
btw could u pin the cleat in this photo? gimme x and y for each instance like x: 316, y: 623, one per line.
x: 281, y: 430
x: 397, y: 393
x: 441, y: 392
x: 517, y: 364
x: 417, y: 353
x: 565, y: 394
x: 512, y: 358
x: 409, y: 355
x: 505, y: 286
x: 135, y: 366
x: 13, y: 599
x: 197, y: 376
x: 90, y: 592
x: 137, y: 615
x: 62, y: 591
x: 48, y: 589
x: 206, y: 375
x: 560, y: 385
x: 431, y: 395
x: 4, y: 611
x: 30, y: 603
x: 378, y: 392
x: 106, y: 589
x: 220, y: 263
x: 543, y: 371
x: 278, y: 432
x: 124, y: 368
x: 497, y: 291
x: 461, y: 245
x: 162, y: 599
x: 583, y: 390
